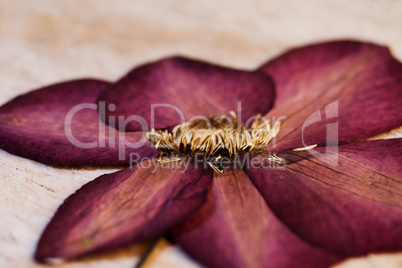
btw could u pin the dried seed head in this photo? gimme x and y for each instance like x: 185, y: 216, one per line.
x: 214, y: 138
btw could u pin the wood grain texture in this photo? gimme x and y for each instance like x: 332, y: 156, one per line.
x: 43, y: 42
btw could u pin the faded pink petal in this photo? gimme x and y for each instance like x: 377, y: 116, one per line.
x: 352, y: 208
x: 364, y: 79
x: 125, y: 207
x: 189, y: 88
x: 36, y: 126
x: 236, y: 228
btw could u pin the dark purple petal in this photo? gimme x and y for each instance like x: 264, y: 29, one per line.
x: 352, y: 208
x: 59, y: 125
x: 356, y: 85
x: 189, y: 88
x: 125, y: 207
x: 236, y: 228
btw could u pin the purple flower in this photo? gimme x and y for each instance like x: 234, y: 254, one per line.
x: 338, y: 194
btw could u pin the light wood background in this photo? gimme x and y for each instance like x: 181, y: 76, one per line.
x: 43, y: 42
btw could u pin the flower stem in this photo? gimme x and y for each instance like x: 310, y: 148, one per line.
x: 147, y: 252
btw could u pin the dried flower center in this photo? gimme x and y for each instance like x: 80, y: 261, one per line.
x: 214, y: 138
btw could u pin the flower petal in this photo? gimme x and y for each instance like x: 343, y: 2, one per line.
x: 353, y: 208
x: 356, y: 84
x: 125, y: 207
x: 186, y: 88
x: 235, y: 228
x: 59, y: 125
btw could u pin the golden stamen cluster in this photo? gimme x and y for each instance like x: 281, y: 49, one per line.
x: 214, y: 138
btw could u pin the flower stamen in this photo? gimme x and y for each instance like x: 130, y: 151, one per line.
x: 305, y: 148
x: 214, y: 139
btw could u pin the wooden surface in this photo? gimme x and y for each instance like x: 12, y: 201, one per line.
x: 42, y: 42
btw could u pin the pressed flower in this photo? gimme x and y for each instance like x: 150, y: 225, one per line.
x: 304, y: 212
